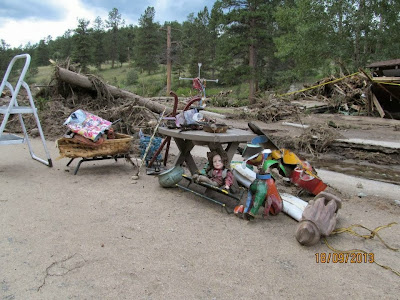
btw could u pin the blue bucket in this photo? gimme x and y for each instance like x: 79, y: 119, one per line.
x: 155, y: 144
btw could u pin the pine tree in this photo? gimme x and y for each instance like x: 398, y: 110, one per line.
x: 147, y: 47
x: 248, y: 28
x: 199, y: 43
x: 41, y: 54
x: 6, y: 54
x: 99, y: 55
x: 113, y: 23
x: 82, y: 45
x: 303, y: 38
x: 62, y: 46
x: 127, y: 38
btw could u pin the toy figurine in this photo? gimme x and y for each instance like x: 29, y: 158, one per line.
x: 262, y: 191
x: 217, y: 173
x: 298, y: 171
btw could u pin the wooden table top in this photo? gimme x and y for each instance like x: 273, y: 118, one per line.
x: 230, y: 136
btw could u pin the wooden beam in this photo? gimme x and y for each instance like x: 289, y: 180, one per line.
x: 386, y: 79
x: 169, y: 67
x: 378, y: 106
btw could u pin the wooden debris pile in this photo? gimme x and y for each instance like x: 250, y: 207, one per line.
x: 348, y: 95
x: 316, y: 139
x: 70, y: 91
x: 274, y: 110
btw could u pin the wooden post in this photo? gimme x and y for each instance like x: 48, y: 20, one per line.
x: 378, y: 106
x: 168, y: 60
x: 369, y: 101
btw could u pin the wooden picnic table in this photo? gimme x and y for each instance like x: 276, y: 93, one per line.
x: 186, y: 140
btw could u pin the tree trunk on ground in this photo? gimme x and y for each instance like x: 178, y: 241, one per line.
x: 84, y: 82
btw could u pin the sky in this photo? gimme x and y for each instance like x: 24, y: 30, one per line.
x: 23, y: 21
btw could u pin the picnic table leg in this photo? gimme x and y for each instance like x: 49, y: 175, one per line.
x: 184, y: 155
x: 231, y: 150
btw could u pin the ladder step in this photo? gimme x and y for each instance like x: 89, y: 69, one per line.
x: 17, y: 110
x: 11, y: 139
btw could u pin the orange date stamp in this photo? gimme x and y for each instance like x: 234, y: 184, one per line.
x: 343, y: 258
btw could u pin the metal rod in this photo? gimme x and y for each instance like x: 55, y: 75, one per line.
x: 212, y: 80
x: 215, y: 188
x: 198, y: 194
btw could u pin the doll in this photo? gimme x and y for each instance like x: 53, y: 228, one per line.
x: 217, y: 174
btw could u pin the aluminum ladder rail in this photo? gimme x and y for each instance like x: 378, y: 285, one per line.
x: 14, y: 109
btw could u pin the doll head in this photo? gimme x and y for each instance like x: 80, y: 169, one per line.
x: 217, y: 162
x: 217, y: 159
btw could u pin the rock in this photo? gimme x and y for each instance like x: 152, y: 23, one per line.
x: 34, y: 132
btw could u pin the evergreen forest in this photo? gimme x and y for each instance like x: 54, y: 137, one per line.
x: 264, y: 43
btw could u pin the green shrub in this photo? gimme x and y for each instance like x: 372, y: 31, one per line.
x: 149, y: 88
x: 42, y: 103
x: 184, y: 92
x: 219, y: 102
x: 132, y: 77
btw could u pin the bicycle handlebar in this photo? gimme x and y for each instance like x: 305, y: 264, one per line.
x: 212, y: 80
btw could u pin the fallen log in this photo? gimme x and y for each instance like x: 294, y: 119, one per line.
x: 84, y: 82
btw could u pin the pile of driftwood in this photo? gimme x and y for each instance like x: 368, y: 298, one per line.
x: 70, y: 91
x: 347, y: 95
x: 274, y: 110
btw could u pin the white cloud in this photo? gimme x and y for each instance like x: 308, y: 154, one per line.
x: 23, y: 25
x: 162, y: 6
x: 19, y: 32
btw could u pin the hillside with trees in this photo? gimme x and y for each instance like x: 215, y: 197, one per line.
x: 267, y: 44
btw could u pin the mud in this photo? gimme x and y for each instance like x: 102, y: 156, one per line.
x: 384, y: 173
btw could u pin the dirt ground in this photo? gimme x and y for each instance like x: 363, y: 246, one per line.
x: 100, y: 235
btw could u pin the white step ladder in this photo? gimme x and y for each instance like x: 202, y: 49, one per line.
x: 13, y: 108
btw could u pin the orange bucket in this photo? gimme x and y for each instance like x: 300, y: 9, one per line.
x: 310, y: 183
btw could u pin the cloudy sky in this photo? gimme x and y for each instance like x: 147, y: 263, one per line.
x: 23, y: 21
